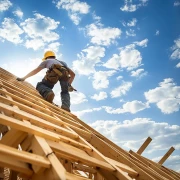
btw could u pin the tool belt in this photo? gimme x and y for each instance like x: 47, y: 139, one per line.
x: 57, y: 72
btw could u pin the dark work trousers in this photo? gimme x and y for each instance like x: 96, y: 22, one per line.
x: 44, y: 87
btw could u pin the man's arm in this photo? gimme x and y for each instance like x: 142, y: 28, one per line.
x: 32, y: 73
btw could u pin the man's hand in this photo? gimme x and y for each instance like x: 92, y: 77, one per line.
x: 70, y: 88
x: 20, y: 79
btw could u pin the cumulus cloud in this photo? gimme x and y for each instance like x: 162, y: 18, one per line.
x: 166, y: 96
x: 10, y: 31
x: 157, y: 33
x: 130, y: 7
x: 77, y: 98
x: 178, y: 65
x: 176, y: 3
x: 130, y: 107
x: 130, y: 32
x: 53, y: 47
x: 5, y: 5
x: 100, y: 79
x: 102, y: 36
x: 121, y: 90
x: 88, y: 58
x: 81, y: 113
x: 18, y: 13
x: 75, y: 9
x: 176, y: 51
x: 142, y: 43
x: 172, y: 162
x: 138, y: 73
x: 131, y: 134
x: 102, y: 95
x: 132, y: 22
x: 34, y: 44
x: 40, y: 27
x: 129, y: 58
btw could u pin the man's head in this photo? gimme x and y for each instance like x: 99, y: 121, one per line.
x: 49, y: 54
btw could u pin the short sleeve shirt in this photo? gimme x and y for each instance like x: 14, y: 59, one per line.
x: 49, y: 62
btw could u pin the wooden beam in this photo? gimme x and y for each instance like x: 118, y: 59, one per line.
x: 69, y: 153
x: 144, y: 145
x: 24, y: 156
x: 124, y: 167
x: 36, y: 120
x: 163, y: 159
x: 154, y: 167
x: 15, y: 165
x: 56, y: 171
x: 16, y: 124
x: 13, y: 137
x: 84, y: 168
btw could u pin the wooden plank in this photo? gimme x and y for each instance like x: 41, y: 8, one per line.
x: 56, y: 171
x: 124, y: 167
x: 71, y: 154
x: 84, y: 168
x: 13, y: 137
x: 15, y: 165
x: 113, y: 153
x: 19, y: 125
x: 152, y: 166
x: 37, y: 113
x: 36, y: 120
x: 24, y: 156
x: 163, y: 159
x: 144, y: 145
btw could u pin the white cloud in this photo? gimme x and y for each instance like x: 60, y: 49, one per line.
x: 131, y: 107
x: 142, y: 43
x: 81, y: 113
x: 131, y: 134
x: 34, y: 44
x: 22, y: 67
x: 88, y: 58
x: 176, y: 3
x: 18, y: 13
x: 102, y: 36
x: 121, y: 90
x: 100, y: 79
x: 41, y: 27
x: 75, y: 9
x: 119, y: 77
x: 129, y: 7
x: 53, y: 47
x: 130, y: 32
x: 102, y: 95
x: 5, y: 5
x: 138, y: 73
x: 10, y: 31
x: 166, y: 96
x: 77, y: 98
x: 157, y: 32
x: 176, y: 50
x: 129, y: 58
x: 132, y: 22
x: 178, y: 65
x: 172, y: 162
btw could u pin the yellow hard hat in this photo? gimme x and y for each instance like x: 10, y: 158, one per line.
x: 48, y: 54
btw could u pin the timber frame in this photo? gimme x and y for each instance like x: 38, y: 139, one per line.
x: 40, y: 141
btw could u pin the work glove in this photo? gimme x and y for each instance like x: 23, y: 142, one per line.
x: 20, y: 79
x: 70, y: 88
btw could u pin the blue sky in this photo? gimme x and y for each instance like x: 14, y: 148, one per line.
x: 126, y: 56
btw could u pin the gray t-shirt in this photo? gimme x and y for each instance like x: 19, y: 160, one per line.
x: 49, y: 62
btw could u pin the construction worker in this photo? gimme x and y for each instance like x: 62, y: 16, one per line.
x: 57, y: 71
